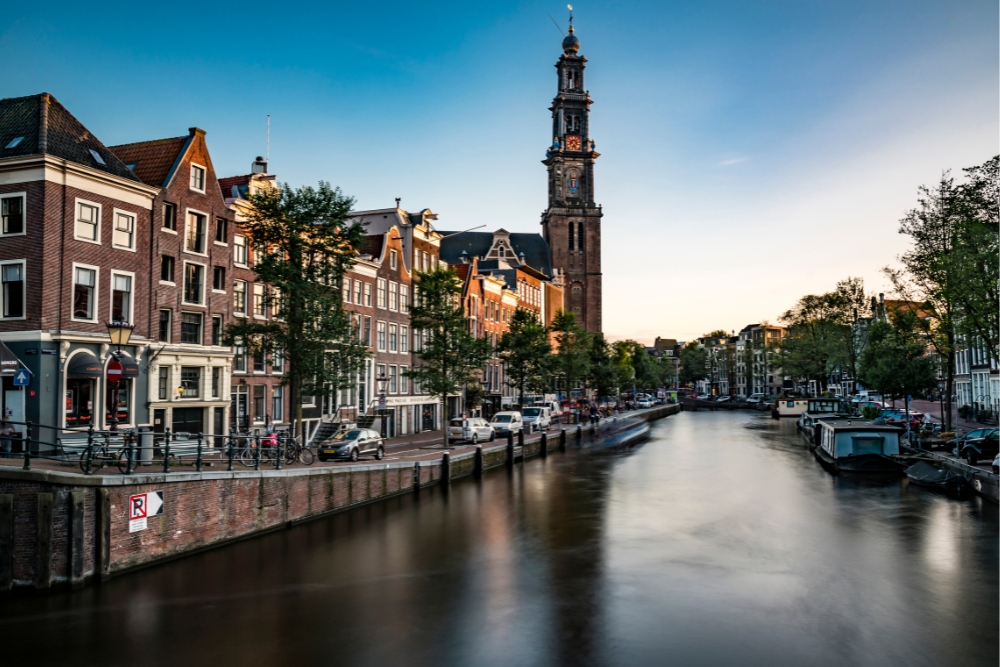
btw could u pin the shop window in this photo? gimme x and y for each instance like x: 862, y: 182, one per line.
x: 79, y: 402
x: 124, y: 402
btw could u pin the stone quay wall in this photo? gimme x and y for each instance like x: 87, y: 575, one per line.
x: 67, y: 529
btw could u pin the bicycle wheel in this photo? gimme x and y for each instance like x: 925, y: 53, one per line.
x: 306, y: 456
x: 121, y: 460
x: 291, y: 454
x: 245, y: 455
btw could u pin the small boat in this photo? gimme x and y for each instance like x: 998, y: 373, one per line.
x: 856, y: 446
x: 930, y: 476
x: 621, y: 434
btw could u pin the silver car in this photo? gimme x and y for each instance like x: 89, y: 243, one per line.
x: 351, y: 444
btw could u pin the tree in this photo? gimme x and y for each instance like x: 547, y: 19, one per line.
x: 571, y: 362
x: 303, y: 243
x: 526, y: 350
x: 807, y: 349
x: 451, y: 356
x: 624, y: 373
x: 895, y: 362
x: 601, y: 377
x: 694, y: 362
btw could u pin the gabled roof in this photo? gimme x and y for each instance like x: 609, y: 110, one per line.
x: 152, y: 161
x: 47, y: 128
x: 240, y: 183
x: 477, y: 244
x: 372, y: 245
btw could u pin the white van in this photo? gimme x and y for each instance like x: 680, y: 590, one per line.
x: 537, y: 418
x: 555, y: 410
x: 507, y: 422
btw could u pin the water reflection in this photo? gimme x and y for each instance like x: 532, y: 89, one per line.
x: 719, y: 542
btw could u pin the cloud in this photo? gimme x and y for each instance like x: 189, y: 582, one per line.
x: 731, y: 161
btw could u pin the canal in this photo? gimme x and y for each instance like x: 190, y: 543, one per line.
x: 720, y: 541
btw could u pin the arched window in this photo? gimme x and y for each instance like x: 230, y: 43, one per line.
x: 579, y: 236
x: 572, y: 229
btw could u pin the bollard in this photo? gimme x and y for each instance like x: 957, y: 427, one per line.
x: 89, y: 454
x: 26, y: 444
x: 520, y: 440
x: 166, y: 450
x: 256, y: 452
x: 510, y: 449
x: 562, y: 440
x: 230, y: 468
x: 477, y: 468
x: 416, y: 476
x: 197, y: 460
x: 579, y: 433
x: 130, y: 468
x: 544, y: 451
x: 277, y: 453
x: 446, y: 469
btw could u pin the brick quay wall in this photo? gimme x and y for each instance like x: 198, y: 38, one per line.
x: 68, y: 529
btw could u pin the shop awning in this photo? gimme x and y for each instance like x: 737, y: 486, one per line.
x: 129, y: 367
x: 85, y: 365
x: 9, y: 363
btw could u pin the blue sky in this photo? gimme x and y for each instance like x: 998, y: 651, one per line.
x: 752, y: 152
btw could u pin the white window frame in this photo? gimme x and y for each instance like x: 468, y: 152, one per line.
x: 24, y: 287
x: 172, y: 283
x: 246, y: 250
x: 404, y: 380
x: 76, y: 218
x: 204, y: 178
x: 180, y: 330
x: 404, y: 339
x: 404, y: 298
x: 95, y: 308
x: 114, y: 228
x: 187, y: 221
x: 393, y: 303
x: 393, y: 379
x: 393, y: 260
x: 392, y: 325
x: 216, y: 241
x: 224, y: 279
x: 253, y: 308
x: 346, y: 286
x: 131, y: 294
x: 381, y: 342
x: 381, y: 293
x: 167, y: 229
x: 24, y: 213
x: 245, y: 297
x: 204, y: 284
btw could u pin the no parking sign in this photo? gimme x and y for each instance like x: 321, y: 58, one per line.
x: 142, y: 506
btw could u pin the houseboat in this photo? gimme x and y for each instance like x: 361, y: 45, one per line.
x: 789, y: 407
x: 856, y: 446
x: 820, y: 408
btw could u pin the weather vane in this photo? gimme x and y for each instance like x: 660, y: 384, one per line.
x: 570, y: 8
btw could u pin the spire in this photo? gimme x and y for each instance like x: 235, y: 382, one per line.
x: 571, y: 44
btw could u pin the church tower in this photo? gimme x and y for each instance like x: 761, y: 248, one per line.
x: 572, y: 222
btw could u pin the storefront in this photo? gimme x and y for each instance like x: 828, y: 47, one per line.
x: 83, y: 373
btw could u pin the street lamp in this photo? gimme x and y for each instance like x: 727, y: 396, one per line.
x: 382, y: 382
x: 119, y: 333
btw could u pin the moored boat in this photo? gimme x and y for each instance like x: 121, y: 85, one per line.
x: 620, y: 434
x: 789, y: 407
x: 924, y: 473
x: 853, y: 446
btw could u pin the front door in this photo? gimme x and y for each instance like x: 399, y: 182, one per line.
x: 219, y: 426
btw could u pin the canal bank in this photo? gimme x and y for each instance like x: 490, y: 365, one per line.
x: 62, y: 528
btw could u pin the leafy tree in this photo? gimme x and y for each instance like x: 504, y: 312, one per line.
x: 474, y: 395
x: 624, y: 372
x: 526, y: 350
x: 303, y: 243
x: 572, y: 358
x: 807, y: 349
x: 451, y: 356
x: 601, y: 377
x: 694, y: 363
x: 895, y: 362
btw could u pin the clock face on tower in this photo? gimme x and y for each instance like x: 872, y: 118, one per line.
x: 572, y: 142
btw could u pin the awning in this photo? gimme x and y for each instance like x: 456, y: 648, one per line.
x: 9, y: 363
x: 85, y: 365
x: 129, y: 367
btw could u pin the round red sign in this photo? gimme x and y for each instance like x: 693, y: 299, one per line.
x: 115, y: 371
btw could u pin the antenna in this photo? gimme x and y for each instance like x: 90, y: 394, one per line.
x: 556, y: 25
x: 267, y: 144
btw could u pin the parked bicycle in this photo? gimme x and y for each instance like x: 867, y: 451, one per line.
x: 101, y: 452
x: 296, y: 452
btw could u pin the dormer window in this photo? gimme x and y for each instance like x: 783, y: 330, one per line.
x: 131, y: 165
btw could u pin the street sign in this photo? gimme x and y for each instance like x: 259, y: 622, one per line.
x: 141, y: 506
x: 21, y: 378
x: 115, y: 370
x: 381, y: 402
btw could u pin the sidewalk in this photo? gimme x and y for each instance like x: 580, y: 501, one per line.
x: 933, y: 409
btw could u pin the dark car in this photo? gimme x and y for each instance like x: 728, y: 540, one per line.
x: 979, y: 444
x: 351, y: 444
x: 898, y: 418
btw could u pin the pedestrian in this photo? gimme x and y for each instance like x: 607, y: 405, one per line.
x: 6, y: 431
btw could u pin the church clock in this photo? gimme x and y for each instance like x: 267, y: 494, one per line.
x: 573, y: 142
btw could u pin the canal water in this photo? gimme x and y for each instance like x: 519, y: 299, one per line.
x: 720, y: 541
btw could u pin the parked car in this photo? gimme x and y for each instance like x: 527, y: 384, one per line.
x: 722, y: 399
x: 470, y: 429
x: 555, y: 410
x: 755, y: 398
x: 977, y: 445
x: 351, y: 444
x: 897, y: 417
x: 507, y: 422
x: 996, y: 465
x: 537, y: 418
x: 645, y: 403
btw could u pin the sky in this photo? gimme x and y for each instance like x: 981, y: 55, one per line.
x: 751, y: 152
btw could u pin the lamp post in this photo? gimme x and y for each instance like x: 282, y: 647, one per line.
x: 119, y: 333
x: 382, y: 382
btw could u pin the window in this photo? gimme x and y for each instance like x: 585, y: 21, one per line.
x: 121, y: 298
x: 258, y: 361
x: 194, y: 283
x: 277, y: 403
x: 579, y: 235
x: 404, y: 339
x: 259, y: 300
x: 216, y: 329
x: 346, y: 290
x: 368, y: 294
x: 165, y: 319
x: 240, y: 296
x: 403, y: 380
x: 416, y: 340
x: 12, y: 214
x: 197, y: 178
x: 163, y: 385
x: 240, y: 250
x: 380, y: 302
x: 84, y: 282
x: 221, y: 230
x: 393, y: 260
x: 368, y: 331
x: 170, y: 216
x: 12, y: 292
x: 277, y: 362
x: 393, y: 379
x: 393, y: 296
x: 379, y: 373
x: 277, y: 302
x: 88, y: 222
x: 190, y: 381
x: 380, y: 329
x: 124, y: 234
x: 195, y: 239
x: 393, y: 338
x: 191, y: 328
x: 219, y: 278
x: 216, y: 381
x: 166, y: 269
x: 404, y: 298
x: 357, y: 292
x: 239, y: 360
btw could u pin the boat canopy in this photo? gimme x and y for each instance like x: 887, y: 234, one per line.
x: 841, y: 440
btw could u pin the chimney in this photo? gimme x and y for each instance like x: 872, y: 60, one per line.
x: 259, y: 166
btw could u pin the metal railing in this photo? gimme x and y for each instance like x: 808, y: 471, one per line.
x: 146, y: 451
